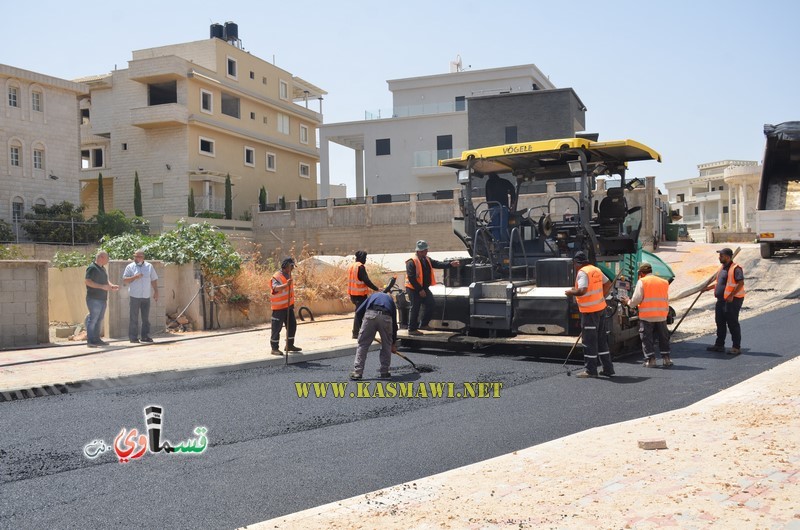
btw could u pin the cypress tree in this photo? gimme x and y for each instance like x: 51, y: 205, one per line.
x: 191, y: 203
x: 262, y: 199
x: 101, y: 201
x: 228, y: 198
x: 137, y: 196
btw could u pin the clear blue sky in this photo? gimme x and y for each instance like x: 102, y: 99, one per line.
x: 694, y: 80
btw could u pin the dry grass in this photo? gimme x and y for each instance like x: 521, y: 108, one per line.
x: 313, y: 280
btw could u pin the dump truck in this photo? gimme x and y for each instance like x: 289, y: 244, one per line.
x: 778, y: 214
x: 510, y: 291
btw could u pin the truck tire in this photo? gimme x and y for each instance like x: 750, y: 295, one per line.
x: 766, y: 250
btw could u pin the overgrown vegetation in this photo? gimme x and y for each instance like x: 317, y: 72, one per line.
x: 11, y: 252
x: 63, y: 260
x: 64, y: 223
x: 6, y: 233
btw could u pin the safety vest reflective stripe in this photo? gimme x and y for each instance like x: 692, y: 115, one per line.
x: 731, y: 283
x: 282, y: 298
x: 655, y: 303
x: 593, y: 300
x: 418, y: 265
x: 356, y: 287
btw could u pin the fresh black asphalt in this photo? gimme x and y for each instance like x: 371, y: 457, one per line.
x: 271, y: 453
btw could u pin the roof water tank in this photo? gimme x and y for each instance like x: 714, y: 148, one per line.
x: 217, y: 31
x: 231, y: 31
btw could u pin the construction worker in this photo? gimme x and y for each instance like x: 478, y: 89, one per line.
x: 358, y: 286
x: 500, y: 196
x: 379, y: 316
x: 590, y: 291
x: 419, y: 278
x: 729, y: 290
x: 282, y: 300
x: 652, y: 298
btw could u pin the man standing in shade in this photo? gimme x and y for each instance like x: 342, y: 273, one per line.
x: 282, y: 302
x: 379, y: 315
x: 651, y: 296
x: 142, y: 281
x: 500, y: 195
x: 97, y: 287
x: 419, y: 278
x: 358, y: 286
x: 591, y: 288
x: 729, y: 291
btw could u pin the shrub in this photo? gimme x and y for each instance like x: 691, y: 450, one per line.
x: 71, y: 259
x: 6, y: 233
x: 59, y: 223
x: 211, y: 215
x: 11, y: 252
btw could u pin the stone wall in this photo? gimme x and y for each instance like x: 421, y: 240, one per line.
x: 23, y: 305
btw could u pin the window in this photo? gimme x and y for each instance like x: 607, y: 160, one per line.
x: 305, y: 170
x: 303, y: 134
x: 724, y: 209
x: 36, y: 101
x: 206, y: 146
x: 252, y: 74
x: 162, y: 93
x: 283, y: 123
x: 158, y: 190
x: 17, y: 209
x: 681, y: 197
x: 252, y: 115
x: 721, y: 187
x: 92, y: 158
x: 124, y: 147
x: 40, y: 202
x: 15, y: 155
x: 38, y: 159
x: 271, y: 162
x: 284, y: 90
x: 511, y: 134
x: 13, y: 96
x: 383, y: 147
x: 266, y: 121
x: 249, y: 156
x: 444, y: 146
x: 230, y: 105
x: 263, y: 80
x: 461, y: 103
x: 696, y: 210
x: 84, y: 116
x: 206, y: 101
x: 231, y: 67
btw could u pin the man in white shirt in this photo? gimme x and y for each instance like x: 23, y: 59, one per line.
x: 142, y: 281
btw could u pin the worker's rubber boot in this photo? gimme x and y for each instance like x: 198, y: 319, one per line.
x: 291, y: 348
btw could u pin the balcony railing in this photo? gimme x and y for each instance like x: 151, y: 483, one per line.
x: 209, y: 204
x: 165, y: 115
x: 407, y: 111
x: 431, y: 158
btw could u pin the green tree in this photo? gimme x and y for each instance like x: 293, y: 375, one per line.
x: 6, y: 233
x: 299, y: 201
x: 101, y: 200
x: 262, y: 199
x: 228, y: 198
x: 137, y: 196
x: 58, y: 223
x: 191, y: 211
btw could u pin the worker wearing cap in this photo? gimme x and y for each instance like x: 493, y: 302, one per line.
x: 652, y: 298
x: 729, y: 291
x: 282, y: 301
x: 590, y: 291
x: 378, y: 315
x: 358, y: 286
x: 419, y: 278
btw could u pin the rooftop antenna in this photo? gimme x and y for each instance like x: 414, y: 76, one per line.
x: 457, y: 65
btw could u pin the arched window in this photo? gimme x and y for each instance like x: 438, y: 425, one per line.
x: 38, y: 156
x: 14, y: 94
x: 15, y: 153
x: 40, y: 202
x: 17, y: 209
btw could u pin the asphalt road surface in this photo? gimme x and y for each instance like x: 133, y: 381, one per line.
x: 270, y: 452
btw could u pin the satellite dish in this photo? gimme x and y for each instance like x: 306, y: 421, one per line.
x: 457, y: 65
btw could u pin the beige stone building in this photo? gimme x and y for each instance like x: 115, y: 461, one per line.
x: 186, y: 115
x: 39, y: 159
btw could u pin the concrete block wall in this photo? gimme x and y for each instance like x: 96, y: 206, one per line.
x: 23, y: 304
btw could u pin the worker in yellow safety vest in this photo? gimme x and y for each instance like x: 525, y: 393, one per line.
x: 358, y: 286
x: 591, y: 288
x: 651, y: 296
x: 728, y: 287
x: 282, y: 303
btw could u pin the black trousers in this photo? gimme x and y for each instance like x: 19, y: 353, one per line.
x: 357, y: 301
x: 279, y: 318
x: 595, y: 342
x: 649, y: 332
x: 726, y: 315
x: 427, y: 304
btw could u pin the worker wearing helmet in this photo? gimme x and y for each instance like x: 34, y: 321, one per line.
x: 358, y: 286
x: 590, y: 291
x: 652, y: 298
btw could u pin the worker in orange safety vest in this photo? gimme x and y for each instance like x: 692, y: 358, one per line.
x: 419, y: 278
x: 358, y: 286
x: 282, y: 303
x: 651, y: 296
x: 591, y: 288
x: 728, y: 287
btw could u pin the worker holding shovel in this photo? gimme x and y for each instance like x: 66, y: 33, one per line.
x: 378, y: 315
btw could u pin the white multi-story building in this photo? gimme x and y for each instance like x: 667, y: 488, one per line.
x: 40, y: 158
x: 185, y: 116
x: 723, y: 196
x: 397, y: 151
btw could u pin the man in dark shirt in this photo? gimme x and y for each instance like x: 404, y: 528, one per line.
x: 729, y: 292
x: 97, y: 287
x: 419, y: 278
x: 358, y: 285
x: 378, y: 314
x: 500, y: 195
